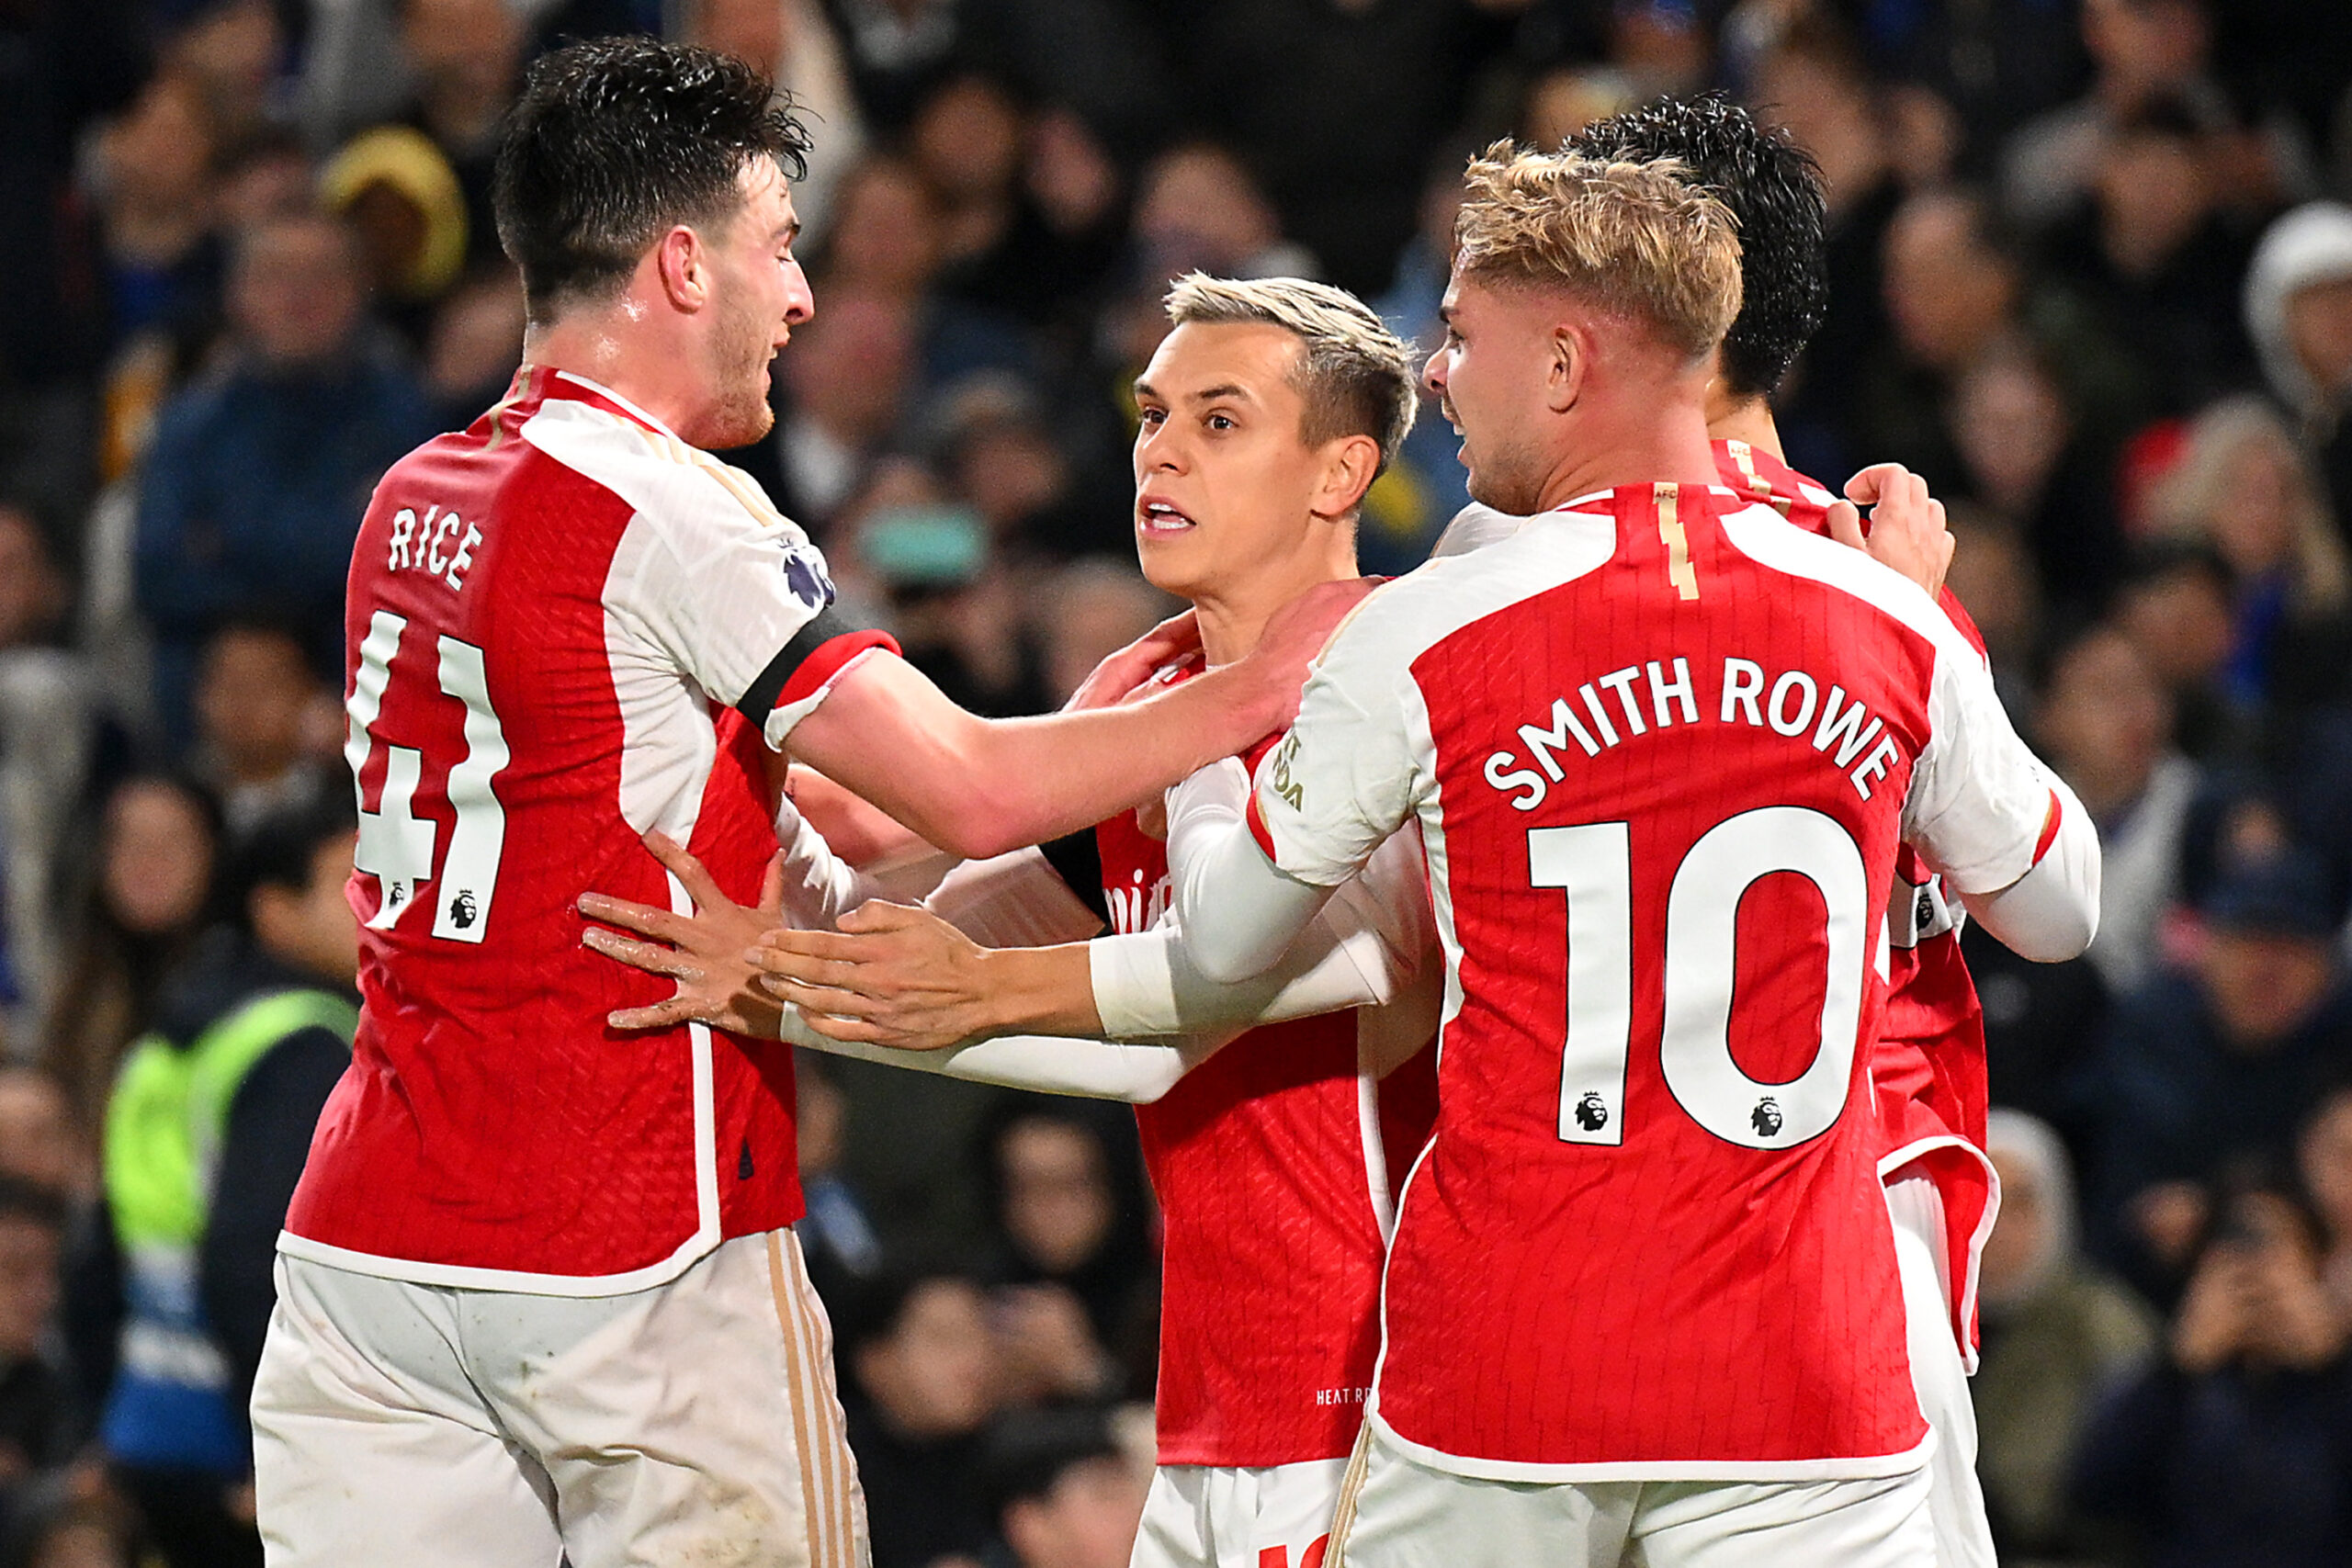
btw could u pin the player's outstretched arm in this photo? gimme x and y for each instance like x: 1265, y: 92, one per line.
x: 706, y: 954
x: 977, y: 787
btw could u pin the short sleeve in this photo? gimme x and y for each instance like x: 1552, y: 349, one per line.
x: 738, y: 596
x: 1350, y: 773
x: 1980, y: 803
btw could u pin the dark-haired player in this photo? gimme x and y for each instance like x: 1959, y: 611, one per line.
x: 1928, y: 1068
x: 540, y: 1297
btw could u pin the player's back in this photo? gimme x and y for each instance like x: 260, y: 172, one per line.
x: 1669, y: 740
x: 548, y: 617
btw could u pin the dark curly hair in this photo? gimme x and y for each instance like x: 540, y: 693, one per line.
x: 1773, y: 188
x: 614, y: 141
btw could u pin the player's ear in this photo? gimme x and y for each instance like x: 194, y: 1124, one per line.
x: 1569, y: 361
x: 684, y: 267
x: 1349, y: 466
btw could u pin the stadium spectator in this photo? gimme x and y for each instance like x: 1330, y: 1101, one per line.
x: 2141, y: 51
x: 1952, y: 289
x: 261, y: 715
x: 39, y: 1423
x: 256, y: 483
x: 2057, y: 1334
x: 922, y: 1362
x: 2153, y: 265
x: 2235, y: 1445
x: 1815, y: 85
x: 466, y: 58
x: 48, y: 732
x: 65, y: 1523
x: 2106, y: 725
x: 837, y: 1234
x: 1069, y: 1250
x: 475, y: 345
x: 39, y: 1143
x: 2021, y: 455
x: 148, y: 893
x: 2323, y: 1162
x: 1199, y: 209
x: 2177, y: 604
x: 206, y: 1130
x: 2299, y: 311
x: 2244, y: 487
x: 66, y: 65
x: 2215, y: 1064
x: 848, y: 384
x: 153, y: 174
x: 1065, y: 1494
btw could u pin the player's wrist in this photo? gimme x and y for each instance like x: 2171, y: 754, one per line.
x: 1037, y: 991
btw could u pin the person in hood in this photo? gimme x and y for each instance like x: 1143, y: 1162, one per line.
x: 2299, y: 311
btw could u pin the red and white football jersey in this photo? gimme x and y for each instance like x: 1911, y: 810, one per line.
x: 1662, y: 749
x: 556, y: 623
x: 1273, y: 1162
x: 1928, y: 1068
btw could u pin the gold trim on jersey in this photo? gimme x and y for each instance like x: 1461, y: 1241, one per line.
x: 1679, y: 569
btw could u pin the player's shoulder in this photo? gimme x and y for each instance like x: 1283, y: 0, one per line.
x: 1447, y: 593
x: 655, y: 473
x: 1766, y: 538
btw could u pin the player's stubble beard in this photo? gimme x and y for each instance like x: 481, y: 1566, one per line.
x: 1506, y: 475
x: 740, y: 350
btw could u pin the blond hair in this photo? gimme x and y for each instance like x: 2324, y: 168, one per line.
x: 2183, y: 505
x: 1626, y: 234
x: 1357, y: 376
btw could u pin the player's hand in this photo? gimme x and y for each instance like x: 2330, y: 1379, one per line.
x: 702, y: 952
x: 1295, y: 636
x: 1906, y: 528
x: 891, y: 975
x: 1122, y: 672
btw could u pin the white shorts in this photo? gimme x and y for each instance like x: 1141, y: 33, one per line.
x: 397, y: 1424
x: 1955, y: 1499
x: 1407, y: 1514
x: 1276, y: 1515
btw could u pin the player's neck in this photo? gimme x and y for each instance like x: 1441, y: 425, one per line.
x: 610, y: 348
x: 1749, y: 419
x: 1653, y: 448
x: 1232, y: 622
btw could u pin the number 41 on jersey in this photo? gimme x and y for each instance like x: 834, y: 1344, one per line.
x: 396, y: 846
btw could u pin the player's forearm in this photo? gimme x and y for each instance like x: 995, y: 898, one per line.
x: 1134, y: 1072
x: 2051, y: 913
x: 979, y: 787
x: 1146, y: 984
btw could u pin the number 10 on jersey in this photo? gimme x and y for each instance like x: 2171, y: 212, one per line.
x: 395, y: 844
x: 1594, y: 864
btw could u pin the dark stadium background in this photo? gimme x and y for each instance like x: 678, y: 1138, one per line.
x: 2091, y: 275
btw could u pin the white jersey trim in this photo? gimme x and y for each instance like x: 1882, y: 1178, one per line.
x: 460, y: 1277
x: 1961, y: 1308
x: 1865, y: 1468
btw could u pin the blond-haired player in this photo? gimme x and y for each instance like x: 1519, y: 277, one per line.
x: 1642, y: 1302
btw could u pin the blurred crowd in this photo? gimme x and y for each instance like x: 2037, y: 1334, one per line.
x: 2091, y: 273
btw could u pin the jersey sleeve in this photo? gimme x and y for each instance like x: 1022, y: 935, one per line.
x: 1982, y: 808
x: 1350, y: 773
x: 738, y: 596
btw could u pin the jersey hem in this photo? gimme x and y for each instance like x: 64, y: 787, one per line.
x: 1182, y: 1459
x: 1869, y: 1467
x: 463, y: 1277
x: 1962, y: 1305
